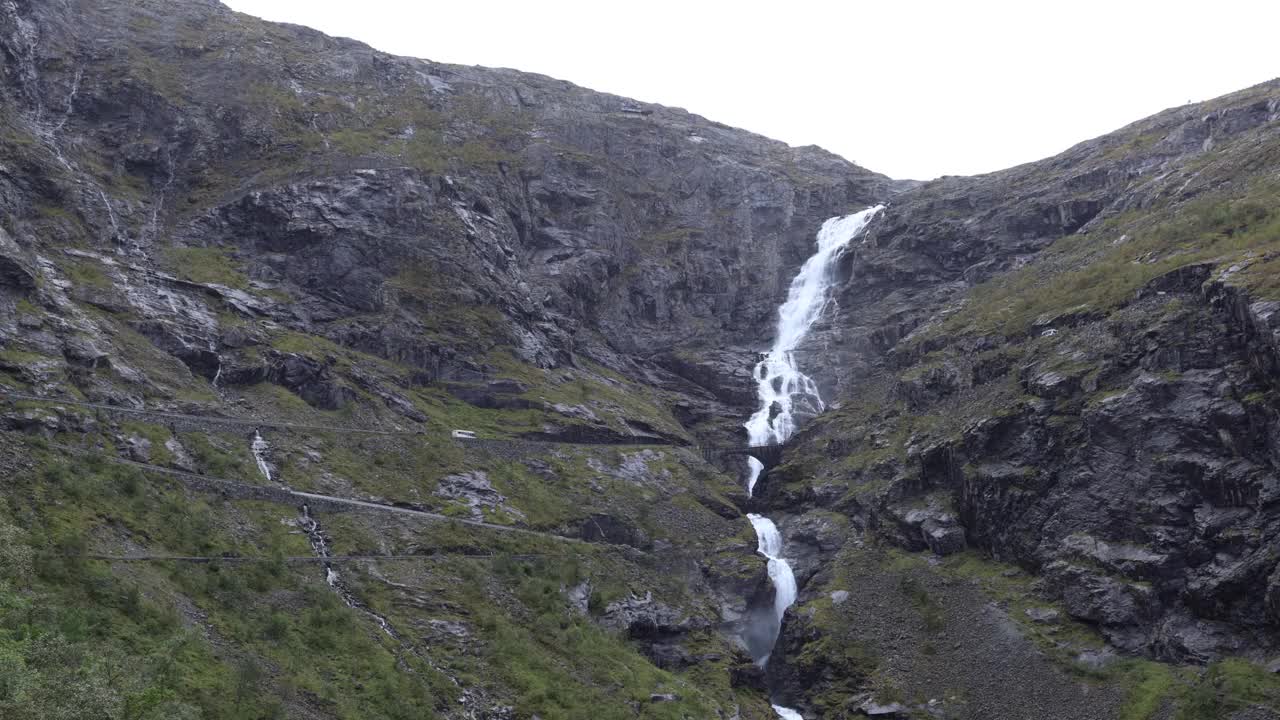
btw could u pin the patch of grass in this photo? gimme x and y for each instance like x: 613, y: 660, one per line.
x: 1227, y: 686
x: 13, y: 357
x: 412, y: 133
x: 222, y: 455
x: 919, y: 596
x: 1149, y: 685
x: 210, y: 265
x: 315, y: 346
x: 154, y: 434
x: 86, y: 273
x: 443, y: 311
x: 1101, y: 274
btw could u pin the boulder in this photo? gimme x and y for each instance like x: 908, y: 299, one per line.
x: 1095, y: 597
x: 474, y: 490
x: 16, y: 269
x: 644, y: 618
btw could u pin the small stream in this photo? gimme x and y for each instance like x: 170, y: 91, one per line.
x: 320, y: 546
x: 259, y: 447
x: 319, y: 542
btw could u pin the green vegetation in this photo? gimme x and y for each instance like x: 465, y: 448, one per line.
x: 1103, y: 271
x: 1149, y: 685
x: 168, y: 373
x: 611, y: 397
x: 399, y: 468
x: 919, y: 596
x: 80, y: 632
x: 207, y: 265
x: 1194, y: 693
x: 1215, y: 691
x: 560, y: 663
x: 87, y: 273
x: 414, y: 134
x: 444, y: 312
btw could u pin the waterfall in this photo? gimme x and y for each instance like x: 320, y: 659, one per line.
x: 755, y: 468
x: 320, y: 546
x: 769, y: 544
x: 111, y: 214
x: 783, y: 391
x: 781, y: 387
x: 259, y: 448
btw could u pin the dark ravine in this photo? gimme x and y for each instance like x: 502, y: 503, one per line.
x: 1046, y: 484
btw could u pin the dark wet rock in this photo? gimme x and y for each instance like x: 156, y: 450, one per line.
x: 16, y: 269
x: 1098, y: 598
x: 643, y: 618
x: 745, y: 673
x: 1185, y: 637
x: 610, y: 529
x: 932, y: 527
x: 312, y: 380
x: 943, y: 537
x: 498, y: 395
x: 726, y: 373
x: 669, y: 656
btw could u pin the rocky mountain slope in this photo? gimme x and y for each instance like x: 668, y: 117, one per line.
x: 1070, y: 367
x: 252, y: 277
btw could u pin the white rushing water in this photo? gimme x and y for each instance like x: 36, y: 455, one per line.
x: 787, y: 713
x: 769, y: 544
x: 260, y: 447
x: 783, y: 390
x: 780, y: 384
x: 320, y: 546
x: 756, y: 467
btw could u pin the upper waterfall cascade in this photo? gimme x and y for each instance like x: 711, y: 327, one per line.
x: 783, y: 390
x: 781, y: 387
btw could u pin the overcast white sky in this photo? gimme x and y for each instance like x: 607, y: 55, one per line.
x: 911, y: 89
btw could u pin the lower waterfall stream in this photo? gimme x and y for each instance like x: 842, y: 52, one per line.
x: 783, y: 389
x: 318, y: 540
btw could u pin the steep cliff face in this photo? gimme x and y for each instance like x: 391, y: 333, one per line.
x: 1070, y: 367
x: 321, y: 168
x: 251, y: 278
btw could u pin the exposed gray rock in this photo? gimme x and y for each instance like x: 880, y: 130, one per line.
x: 580, y: 597
x: 1091, y: 596
x: 1046, y: 616
x: 644, y: 618
x: 474, y: 490
x: 872, y: 708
